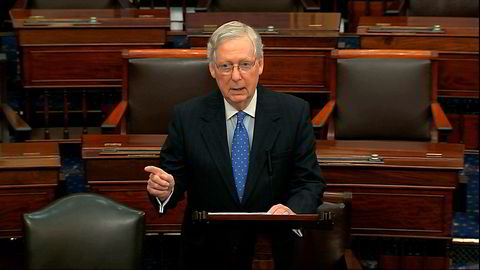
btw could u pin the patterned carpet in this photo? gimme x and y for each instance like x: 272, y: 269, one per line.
x: 465, y: 224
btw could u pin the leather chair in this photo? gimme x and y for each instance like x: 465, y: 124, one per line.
x: 84, y: 231
x: 435, y: 8
x: 77, y: 4
x: 329, y: 249
x: 383, y: 95
x: 154, y: 82
x: 258, y: 6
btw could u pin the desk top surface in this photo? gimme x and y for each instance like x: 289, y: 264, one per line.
x: 267, y: 23
x: 89, y: 18
x: 450, y: 26
x: 390, y: 154
x: 29, y: 155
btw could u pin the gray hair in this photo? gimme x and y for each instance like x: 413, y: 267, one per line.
x: 233, y: 30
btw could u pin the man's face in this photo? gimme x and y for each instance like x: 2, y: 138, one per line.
x: 238, y: 84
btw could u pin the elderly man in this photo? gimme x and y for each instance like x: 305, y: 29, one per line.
x: 240, y: 149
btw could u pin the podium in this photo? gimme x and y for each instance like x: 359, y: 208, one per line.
x: 325, y: 241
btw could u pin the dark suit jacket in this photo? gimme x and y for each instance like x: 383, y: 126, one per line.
x: 196, y: 153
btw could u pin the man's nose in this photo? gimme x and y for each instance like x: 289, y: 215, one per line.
x: 236, y: 76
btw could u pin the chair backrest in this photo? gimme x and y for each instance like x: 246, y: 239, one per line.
x: 256, y: 6
x: 158, y: 81
x: 382, y: 95
x: 76, y: 4
x: 84, y: 231
x: 325, y: 249
x: 443, y: 8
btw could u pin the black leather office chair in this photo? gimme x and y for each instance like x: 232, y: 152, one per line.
x: 383, y: 95
x: 154, y: 82
x: 258, y: 6
x: 84, y: 231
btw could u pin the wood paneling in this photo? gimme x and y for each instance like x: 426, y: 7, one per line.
x: 29, y: 175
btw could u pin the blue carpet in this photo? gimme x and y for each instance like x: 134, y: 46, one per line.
x: 465, y: 224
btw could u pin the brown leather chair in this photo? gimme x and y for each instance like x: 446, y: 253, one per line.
x: 329, y: 249
x: 435, y: 8
x: 154, y: 82
x: 383, y: 95
x: 76, y: 4
x: 84, y: 231
x: 258, y: 6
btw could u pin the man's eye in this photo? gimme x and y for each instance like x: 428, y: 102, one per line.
x: 225, y: 66
x: 245, y: 64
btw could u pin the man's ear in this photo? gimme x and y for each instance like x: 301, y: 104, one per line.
x: 260, y: 66
x: 212, y: 69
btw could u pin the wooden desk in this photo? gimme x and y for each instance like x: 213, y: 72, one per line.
x: 114, y: 167
x: 296, y: 45
x: 29, y: 174
x: 66, y: 48
x: 80, y: 50
x: 399, y: 188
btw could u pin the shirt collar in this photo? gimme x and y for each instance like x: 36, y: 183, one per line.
x: 250, y: 110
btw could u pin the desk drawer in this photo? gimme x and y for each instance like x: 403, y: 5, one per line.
x: 17, y: 201
x: 400, y: 211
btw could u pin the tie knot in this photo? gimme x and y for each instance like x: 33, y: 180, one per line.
x: 240, y: 116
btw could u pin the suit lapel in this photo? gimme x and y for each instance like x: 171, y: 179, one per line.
x: 265, y: 133
x: 215, y: 136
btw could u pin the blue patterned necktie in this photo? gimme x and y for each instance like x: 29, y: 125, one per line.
x: 240, y: 147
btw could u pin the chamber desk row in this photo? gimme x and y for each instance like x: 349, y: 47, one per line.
x: 399, y: 189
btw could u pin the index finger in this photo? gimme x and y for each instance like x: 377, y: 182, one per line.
x: 154, y: 170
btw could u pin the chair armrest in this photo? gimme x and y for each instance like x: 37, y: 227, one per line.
x: 439, y: 118
x: 310, y: 5
x: 397, y: 8
x: 322, y: 117
x: 14, y: 120
x: 113, y: 120
x: 202, y: 5
x: 351, y: 261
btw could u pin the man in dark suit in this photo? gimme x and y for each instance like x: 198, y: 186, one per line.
x: 264, y: 162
